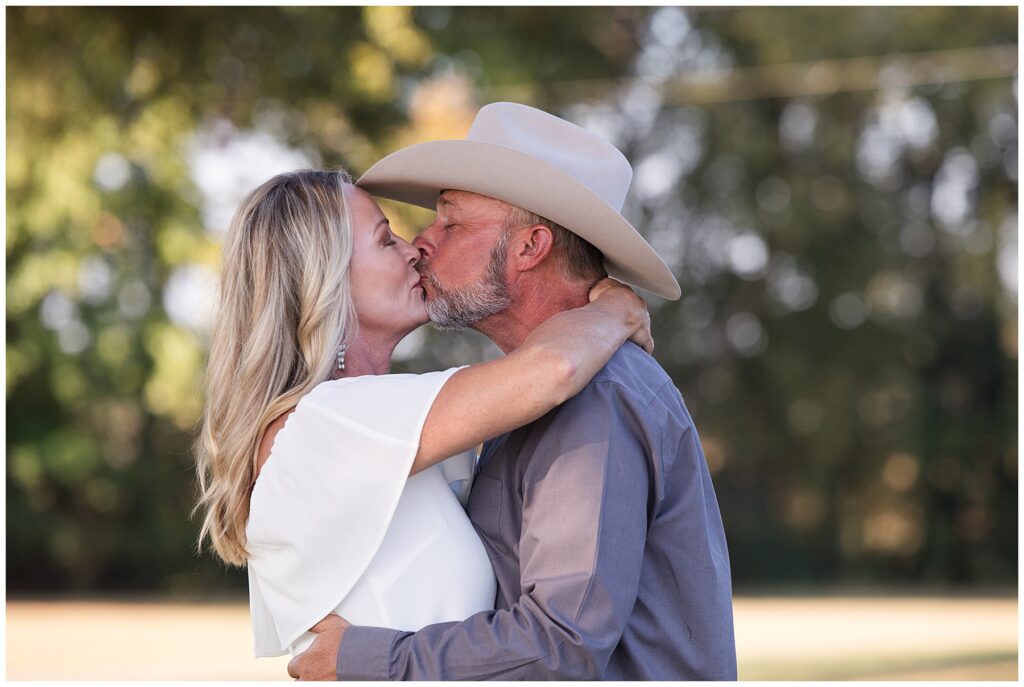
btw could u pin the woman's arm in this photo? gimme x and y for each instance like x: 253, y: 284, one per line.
x: 554, y: 363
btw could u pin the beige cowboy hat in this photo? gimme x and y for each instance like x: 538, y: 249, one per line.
x: 540, y: 163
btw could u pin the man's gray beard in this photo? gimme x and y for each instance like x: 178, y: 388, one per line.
x: 464, y: 307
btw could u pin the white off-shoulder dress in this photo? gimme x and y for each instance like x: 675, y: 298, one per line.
x: 336, y: 525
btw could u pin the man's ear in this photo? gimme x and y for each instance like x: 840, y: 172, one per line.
x: 531, y: 246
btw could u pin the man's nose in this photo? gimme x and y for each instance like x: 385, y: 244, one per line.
x: 424, y: 244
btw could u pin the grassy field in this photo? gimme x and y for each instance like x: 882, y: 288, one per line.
x: 828, y: 637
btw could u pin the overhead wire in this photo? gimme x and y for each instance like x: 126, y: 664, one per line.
x: 797, y: 79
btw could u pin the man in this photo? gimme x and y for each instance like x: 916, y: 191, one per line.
x: 600, y: 518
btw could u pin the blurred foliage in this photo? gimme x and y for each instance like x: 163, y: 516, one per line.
x: 847, y: 340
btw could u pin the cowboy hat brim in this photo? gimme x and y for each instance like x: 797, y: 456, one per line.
x: 417, y: 175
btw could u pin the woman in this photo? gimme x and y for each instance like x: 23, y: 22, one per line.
x: 337, y: 484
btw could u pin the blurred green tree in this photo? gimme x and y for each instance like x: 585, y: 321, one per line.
x: 834, y: 187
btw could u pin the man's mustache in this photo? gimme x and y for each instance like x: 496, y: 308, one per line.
x: 428, y: 275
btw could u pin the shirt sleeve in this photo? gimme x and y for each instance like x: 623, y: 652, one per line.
x: 323, y: 501
x: 585, y: 513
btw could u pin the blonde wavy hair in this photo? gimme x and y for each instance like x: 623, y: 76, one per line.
x: 284, y: 306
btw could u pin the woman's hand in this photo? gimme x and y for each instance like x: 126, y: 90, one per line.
x: 618, y: 295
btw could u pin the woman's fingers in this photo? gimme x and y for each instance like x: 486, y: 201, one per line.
x: 642, y: 336
x: 600, y: 287
x: 650, y: 336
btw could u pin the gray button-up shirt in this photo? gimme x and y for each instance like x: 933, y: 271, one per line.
x: 605, y: 535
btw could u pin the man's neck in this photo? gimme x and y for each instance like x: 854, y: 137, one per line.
x: 534, y: 303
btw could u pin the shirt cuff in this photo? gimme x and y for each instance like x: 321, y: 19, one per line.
x: 365, y: 653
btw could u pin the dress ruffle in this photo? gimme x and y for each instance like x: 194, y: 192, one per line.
x: 326, y: 496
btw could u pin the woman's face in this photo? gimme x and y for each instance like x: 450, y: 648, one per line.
x: 386, y: 287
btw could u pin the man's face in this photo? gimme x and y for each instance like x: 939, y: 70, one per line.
x: 463, y: 260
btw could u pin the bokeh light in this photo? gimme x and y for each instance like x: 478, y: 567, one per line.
x: 835, y: 189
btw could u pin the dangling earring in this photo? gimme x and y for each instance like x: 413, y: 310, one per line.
x: 341, y: 356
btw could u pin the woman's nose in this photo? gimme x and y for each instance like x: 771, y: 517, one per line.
x: 412, y: 253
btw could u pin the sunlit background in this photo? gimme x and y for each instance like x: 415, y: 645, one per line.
x: 834, y: 188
